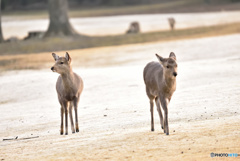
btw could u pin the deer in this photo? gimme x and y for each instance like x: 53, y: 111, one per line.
x: 160, y: 81
x: 133, y: 28
x: 171, y: 22
x: 69, y: 87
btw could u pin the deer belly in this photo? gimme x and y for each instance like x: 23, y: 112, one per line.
x: 154, y: 92
x: 70, y: 97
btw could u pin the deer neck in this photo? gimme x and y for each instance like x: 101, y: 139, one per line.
x: 170, y: 83
x: 68, y: 80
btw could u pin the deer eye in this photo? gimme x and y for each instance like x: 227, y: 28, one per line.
x: 167, y: 66
x: 61, y: 63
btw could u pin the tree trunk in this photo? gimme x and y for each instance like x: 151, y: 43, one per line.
x: 1, y: 35
x: 59, y: 21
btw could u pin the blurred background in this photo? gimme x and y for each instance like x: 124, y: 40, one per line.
x: 32, y: 26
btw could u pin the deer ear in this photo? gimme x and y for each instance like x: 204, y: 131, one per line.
x: 159, y: 58
x: 67, y: 56
x: 55, y: 56
x: 172, y: 55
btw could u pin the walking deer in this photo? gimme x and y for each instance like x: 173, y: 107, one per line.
x: 69, y: 88
x: 160, y: 81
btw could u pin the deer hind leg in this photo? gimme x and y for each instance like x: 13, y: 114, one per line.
x: 61, y: 127
x: 164, y: 103
x: 152, y: 118
x: 151, y: 98
x: 159, y: 111
x: 71, y: 117
x: 75, y: 104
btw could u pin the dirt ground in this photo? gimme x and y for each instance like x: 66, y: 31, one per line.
x: 114, y: 111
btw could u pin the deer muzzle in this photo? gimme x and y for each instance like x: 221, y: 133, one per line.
x: 175, y: 74
x: 53, y: 69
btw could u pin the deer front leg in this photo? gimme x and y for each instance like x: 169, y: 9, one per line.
x: 159, y: 111
x: 152, y: 119
x: 75, y: 104
x: 65, y: 108
x: 164, y: 103
x: 61, y: 127
x: 71, y: 118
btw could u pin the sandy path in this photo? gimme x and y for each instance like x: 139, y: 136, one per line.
x: 113, y: 25
x: 203, y: 113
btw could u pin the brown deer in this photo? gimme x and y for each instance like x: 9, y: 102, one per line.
x: 172, y: 23
x: 160, y: 81
x: 69, y: 88
x: 133, y: 28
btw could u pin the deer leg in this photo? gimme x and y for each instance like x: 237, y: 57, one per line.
x: 152, y: 119
x: 71, y: 118
x: 75, y: 103
x: 61, y: 127
x: 164, y: 104
x: 159, y: 111
x: 66, y: 121
x: 65, y: 106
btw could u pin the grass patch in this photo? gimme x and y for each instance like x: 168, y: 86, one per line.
x: 138, y: 9
x: 16, y: 56
x: 59, y: 44
x: 171, y: 6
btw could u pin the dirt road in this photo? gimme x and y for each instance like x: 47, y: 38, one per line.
x: 114, y: 111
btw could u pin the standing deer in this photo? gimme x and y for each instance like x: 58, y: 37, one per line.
x: 160, y: 81
x: 172, y: 23
x: 69, y: 88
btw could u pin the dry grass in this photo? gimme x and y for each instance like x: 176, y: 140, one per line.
x: 175, y: 6
x: 139, y: 9
x: 14, y: 55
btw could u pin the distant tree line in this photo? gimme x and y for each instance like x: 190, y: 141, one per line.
x: 42, y: 4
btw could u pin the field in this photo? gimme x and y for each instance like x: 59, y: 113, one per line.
x: 114, y: 112
x: 22, y: 54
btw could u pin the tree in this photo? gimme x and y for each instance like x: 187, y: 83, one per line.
x: 59, y: 21
x: 1, y: 35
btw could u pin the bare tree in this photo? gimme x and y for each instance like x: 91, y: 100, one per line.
x: 1, y: 35
x: 59, y: 21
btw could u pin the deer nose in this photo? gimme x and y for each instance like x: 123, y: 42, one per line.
x: 175, y: 74
x: 52, y: 68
